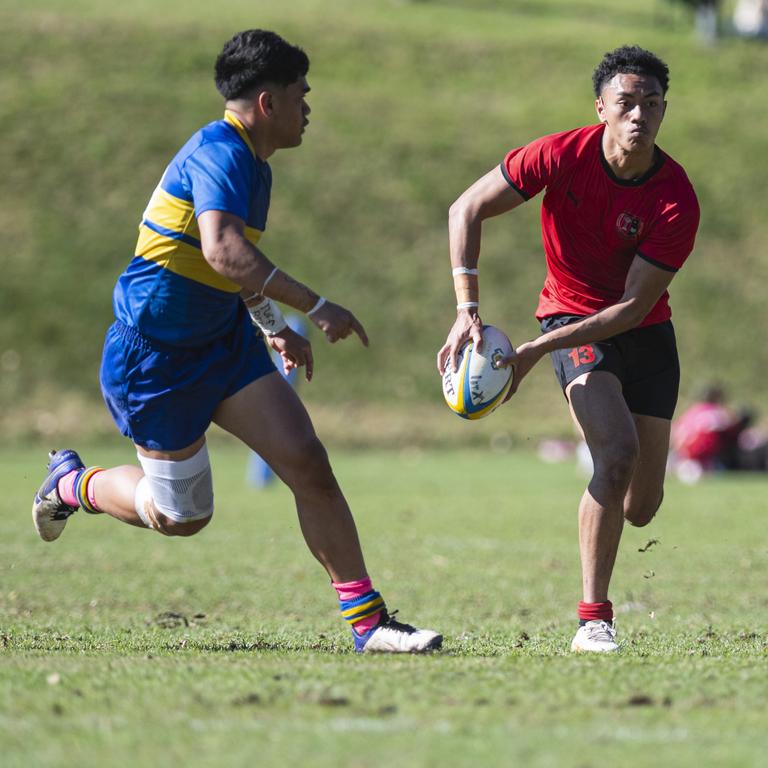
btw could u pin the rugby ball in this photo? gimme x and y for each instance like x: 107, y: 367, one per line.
x: 479, y: 386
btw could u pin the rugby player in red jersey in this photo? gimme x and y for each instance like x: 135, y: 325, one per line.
x: 619, y: 218
x: 182, y: 352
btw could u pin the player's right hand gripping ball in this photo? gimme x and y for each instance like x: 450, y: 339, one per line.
x: 479, y: 386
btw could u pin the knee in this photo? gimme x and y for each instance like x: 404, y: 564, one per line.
x: 170, y: 517
x: 616, y: 465
x: 640, y: 512
x: 171, y: 527
x: 176, y: 497
x: 309, y: 468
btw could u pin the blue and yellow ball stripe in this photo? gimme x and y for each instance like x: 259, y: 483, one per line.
x: 464, y: 404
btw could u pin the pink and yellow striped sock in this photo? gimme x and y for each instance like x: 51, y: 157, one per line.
x: 360, y: 604
x: 76, y: 489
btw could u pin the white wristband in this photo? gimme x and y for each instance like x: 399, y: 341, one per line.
x: 317, y: 306
x: 465, y: 271
x: 468, y: 305
x: 268, y: 318
x: 271, y: 275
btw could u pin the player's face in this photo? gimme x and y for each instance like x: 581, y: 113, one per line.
x: 290, y: 112
x: 632, y: 107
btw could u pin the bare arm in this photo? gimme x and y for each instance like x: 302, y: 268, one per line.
x: 489, y: 196
x: 644, y: 286
x: 227, y: 250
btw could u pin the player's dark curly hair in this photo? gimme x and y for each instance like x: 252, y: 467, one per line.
x: 255, y: 57
x: 630, y: 60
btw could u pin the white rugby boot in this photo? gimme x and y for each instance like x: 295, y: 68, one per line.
x: 595, y: 637
x: 49, y: 512
x: 390, y: 636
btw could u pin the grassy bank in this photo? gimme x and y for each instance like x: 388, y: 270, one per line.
x: 411, y: 102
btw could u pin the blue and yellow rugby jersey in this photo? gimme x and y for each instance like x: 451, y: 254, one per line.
x: 169, y: 292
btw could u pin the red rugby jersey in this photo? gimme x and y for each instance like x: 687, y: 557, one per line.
x: 593, y: 224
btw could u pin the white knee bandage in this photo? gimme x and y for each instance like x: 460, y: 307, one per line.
x: 144, y: 506
x: 180, y: 490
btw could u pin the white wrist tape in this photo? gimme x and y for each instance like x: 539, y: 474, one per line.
x: 271, y: 275
x: 465, y: 271
x: 317, y: 306
x: 267, y: 317
x: 468, y: 305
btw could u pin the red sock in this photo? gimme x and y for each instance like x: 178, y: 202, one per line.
x: 595, y: 611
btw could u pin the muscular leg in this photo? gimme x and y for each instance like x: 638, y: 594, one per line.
x: 599, y: 410
x: 646, y: 490
x: 115, y: 492
x: 268, y: 416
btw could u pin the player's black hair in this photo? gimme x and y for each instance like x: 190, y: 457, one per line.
x: 255, y: 57
x: 630, y: 60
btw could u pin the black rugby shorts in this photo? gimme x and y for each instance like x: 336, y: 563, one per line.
x: 643, y: 359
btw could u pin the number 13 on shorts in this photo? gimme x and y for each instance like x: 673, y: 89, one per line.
x: 582, y: 355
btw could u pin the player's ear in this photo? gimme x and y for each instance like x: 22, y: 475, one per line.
x: 265, y: 103
x: 600, y: 109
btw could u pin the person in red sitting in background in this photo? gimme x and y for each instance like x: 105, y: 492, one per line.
x: 706, y: 436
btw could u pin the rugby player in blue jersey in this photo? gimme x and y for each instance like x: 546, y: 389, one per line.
x: 183, y: 351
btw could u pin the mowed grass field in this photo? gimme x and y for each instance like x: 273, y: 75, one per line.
x: 121, y: 648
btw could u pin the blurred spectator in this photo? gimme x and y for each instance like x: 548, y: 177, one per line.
x: 750, y: 18
x: 705, y: 18
x: 712, y: 436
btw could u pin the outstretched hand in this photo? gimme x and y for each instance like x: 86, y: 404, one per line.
x: 294, y: 351
x: 336, y: 323
x: 467, y: 326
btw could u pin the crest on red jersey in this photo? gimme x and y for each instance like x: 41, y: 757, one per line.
x: 628, y: 226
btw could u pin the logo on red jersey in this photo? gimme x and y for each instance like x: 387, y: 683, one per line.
x: 628, y: 226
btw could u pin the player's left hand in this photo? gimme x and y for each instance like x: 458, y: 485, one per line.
x: 522, y: 360
x: 294, y: 351
x: 336, y: 323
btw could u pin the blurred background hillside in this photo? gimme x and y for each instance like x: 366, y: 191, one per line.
x: 411, y: 101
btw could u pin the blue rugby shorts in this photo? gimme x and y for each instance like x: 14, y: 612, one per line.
x: 164, y: 397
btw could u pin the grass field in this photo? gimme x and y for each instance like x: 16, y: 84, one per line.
x: 121, y: 648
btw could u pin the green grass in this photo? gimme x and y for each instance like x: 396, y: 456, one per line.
x: 121, y: 648
x: 411, y: 102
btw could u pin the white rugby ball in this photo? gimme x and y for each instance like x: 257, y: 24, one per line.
x: 479, y: 386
